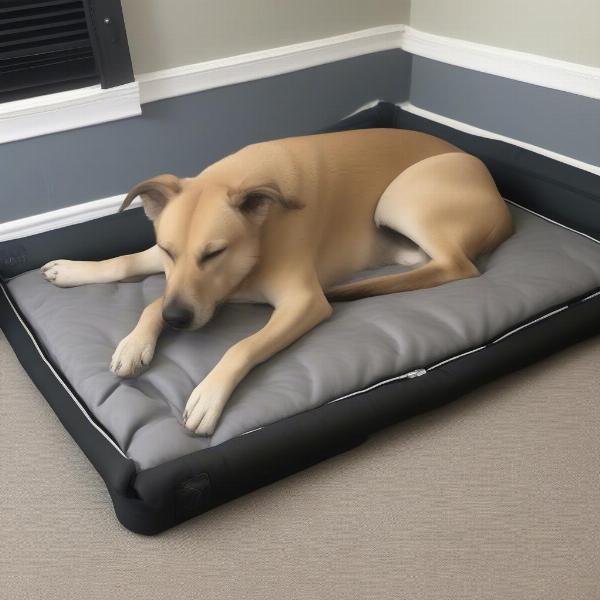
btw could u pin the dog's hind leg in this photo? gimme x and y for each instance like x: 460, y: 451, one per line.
x: 70, y: 273
x: 431, y: 274
x: 449, y: 206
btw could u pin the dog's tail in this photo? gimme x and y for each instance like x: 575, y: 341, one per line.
x: 429, y: 275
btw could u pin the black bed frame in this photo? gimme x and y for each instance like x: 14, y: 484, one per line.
x: 155, y: 499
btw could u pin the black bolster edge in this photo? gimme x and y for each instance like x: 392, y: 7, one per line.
x: 249, y: 461
x: 105, y: 237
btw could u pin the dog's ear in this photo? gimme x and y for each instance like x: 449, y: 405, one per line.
x: 155, y: 194
x: 254, y: 202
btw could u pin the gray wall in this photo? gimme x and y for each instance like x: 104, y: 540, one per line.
x: 566, y: 123
x: 184, y: 134
x: 170, y: 33
x: 563, y: 29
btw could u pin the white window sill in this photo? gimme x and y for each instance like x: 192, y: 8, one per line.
x: 52, y: 113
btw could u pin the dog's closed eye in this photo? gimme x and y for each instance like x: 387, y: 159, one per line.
x: 210, y: 254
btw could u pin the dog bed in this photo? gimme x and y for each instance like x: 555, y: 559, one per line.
x: 376, y: 361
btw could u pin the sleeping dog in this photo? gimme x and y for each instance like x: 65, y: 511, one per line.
x: 284, y: 222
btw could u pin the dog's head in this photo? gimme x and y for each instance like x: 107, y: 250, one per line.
x: 209, y: 235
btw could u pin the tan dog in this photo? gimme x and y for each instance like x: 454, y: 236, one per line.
x: 283, y: 222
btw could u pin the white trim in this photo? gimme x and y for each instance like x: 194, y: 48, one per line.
x: 545, y: 316
x: 60, y: 380
x: 207, y: 75
x: 370, y: 104
x: 520, y: 66
x: 408, y: 375
x: 594, y: 295
x: 63, y: 217
x: 427, y: 114
x: 455, y: 357
x: 21, y: 119
x: 51, y: 113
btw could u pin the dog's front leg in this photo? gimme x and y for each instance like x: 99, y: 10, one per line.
x: 71, y: 273
x: 135, y: 351
x: 292, y: 318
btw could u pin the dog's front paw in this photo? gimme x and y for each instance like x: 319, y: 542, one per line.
x: 133, y: 354
x: 204, y: 407
x: 68, y: 273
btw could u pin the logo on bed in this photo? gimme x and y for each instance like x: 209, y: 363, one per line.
x: 13, y: 258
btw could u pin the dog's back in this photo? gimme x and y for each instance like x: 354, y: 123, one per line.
x: 339, y: 179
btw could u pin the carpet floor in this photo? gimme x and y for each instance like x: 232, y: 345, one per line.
x: 496, y: 496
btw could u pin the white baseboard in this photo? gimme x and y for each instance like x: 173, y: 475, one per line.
x: 21, y: 119
x: 410, y: 107
x: 266, y: 63
x: 520, y: 66
x: 63, y: 217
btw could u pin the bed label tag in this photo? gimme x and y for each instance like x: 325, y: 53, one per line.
x: 13, y: 259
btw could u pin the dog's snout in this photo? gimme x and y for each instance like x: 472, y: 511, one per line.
x: 177, y: 315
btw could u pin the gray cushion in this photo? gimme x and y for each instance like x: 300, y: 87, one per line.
x: 364, y: 342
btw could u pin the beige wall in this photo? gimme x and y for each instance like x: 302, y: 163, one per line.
x: 564, y: 29
x: 169, y: 33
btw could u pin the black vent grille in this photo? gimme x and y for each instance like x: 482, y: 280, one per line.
x: 44, y: 46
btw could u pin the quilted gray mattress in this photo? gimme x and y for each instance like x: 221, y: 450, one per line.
x: 364, y: 343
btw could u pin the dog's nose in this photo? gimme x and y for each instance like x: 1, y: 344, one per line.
x: 177, y: 315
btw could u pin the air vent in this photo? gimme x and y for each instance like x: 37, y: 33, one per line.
x: 44, y: 47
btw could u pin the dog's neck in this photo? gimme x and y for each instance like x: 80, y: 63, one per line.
x: 252, y: 166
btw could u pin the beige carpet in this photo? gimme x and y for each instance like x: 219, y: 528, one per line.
x: 494, y: 496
